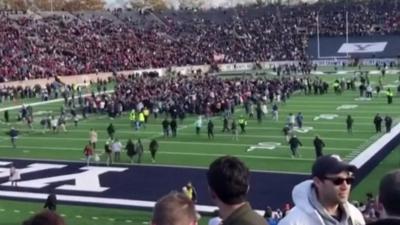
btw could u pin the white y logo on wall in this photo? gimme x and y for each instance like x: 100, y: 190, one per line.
x: 367, y: 47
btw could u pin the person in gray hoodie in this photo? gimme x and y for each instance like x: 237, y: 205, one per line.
x: 323, y: 200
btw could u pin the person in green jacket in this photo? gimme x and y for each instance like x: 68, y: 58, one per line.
x: 228, y: 181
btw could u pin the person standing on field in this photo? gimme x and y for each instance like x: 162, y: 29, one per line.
x: 318, y: 145
x: 294, y: 144
x: 93, y: 138
x: 88, y: 152
x: 349, y: 124
x: 153, y: 148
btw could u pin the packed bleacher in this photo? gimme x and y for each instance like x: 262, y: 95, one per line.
x: 40, y: 45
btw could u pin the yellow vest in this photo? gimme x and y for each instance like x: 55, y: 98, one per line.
x: 188, y: 192
x: 132, y: 116
x: 141, y: 117
x: 146, y: 112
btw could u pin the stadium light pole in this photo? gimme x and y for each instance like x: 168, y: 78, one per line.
x: 347, y: 30
x: 318, y: 43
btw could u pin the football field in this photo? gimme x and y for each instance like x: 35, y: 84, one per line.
x: 263, y: 147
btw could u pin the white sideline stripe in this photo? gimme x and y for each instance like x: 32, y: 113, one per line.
x: 203, y: 154
x: 374, y: 148
x: 186, y: 143
x: 46, y: 102
x: 96, y: 200
x: 267, y: 136
x: 344, y: 131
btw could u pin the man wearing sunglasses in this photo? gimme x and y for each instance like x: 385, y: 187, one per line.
x: 324, y: 199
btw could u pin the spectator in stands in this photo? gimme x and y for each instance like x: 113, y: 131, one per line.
x: 269, y: 217
x: 260, y: 33
x: 45, y: 218
x: 215, y: 219
x: 324, y: 199
x: 229, y: 180
x: 389, y: 197
x: 174, y: 208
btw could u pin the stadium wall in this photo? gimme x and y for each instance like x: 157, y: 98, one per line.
x: 86, y: 78
x: 368, y: 159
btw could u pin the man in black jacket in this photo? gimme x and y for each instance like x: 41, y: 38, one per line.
x: 210, y: 129
x: 51, y: 202
x: 294, y: 143
x: 165, y: 126
x: 318, y: 145
x: 14, y: 136
x: 174, y: 127
x: 388, y: 123
x: 378, y: 123
x: 389, y: 197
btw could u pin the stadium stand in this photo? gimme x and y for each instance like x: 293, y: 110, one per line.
x: 40, y: 45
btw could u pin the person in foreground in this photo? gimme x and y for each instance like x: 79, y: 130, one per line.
x: 228, y: 181
x: 389, y: 197
x: 324, y: 199
x: 45, y: 218
x: 174, y: 209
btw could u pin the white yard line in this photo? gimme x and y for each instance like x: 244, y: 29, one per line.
x: 210, y: 143
x: 159, y: 135
x: 45, y: 102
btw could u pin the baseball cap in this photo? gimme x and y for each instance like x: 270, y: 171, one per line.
x: 330, y: 164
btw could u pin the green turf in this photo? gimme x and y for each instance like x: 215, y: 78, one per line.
x: 188, y: 149
x: 193, y: 150
x: 14, y: 212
